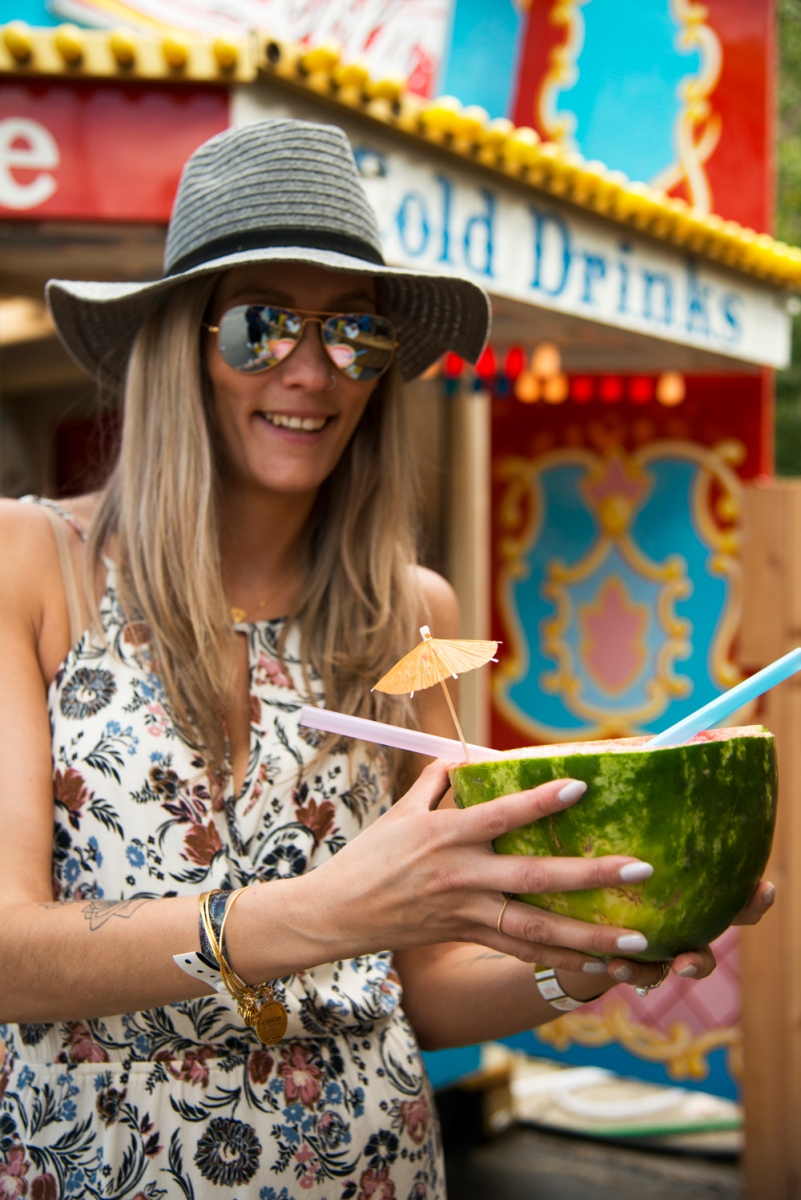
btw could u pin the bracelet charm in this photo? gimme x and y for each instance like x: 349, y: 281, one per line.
x: 256, y: 1003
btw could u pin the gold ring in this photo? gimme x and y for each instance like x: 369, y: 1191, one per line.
x: 503, y: 910
x: 651, y: 987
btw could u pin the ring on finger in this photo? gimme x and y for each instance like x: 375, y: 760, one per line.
x: 506, y: 900
x: 644, y: 989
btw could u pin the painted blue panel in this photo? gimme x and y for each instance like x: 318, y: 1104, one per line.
x: 625, y: 100
x: 445, y: 1067
x: 663, y: 529
x: 568, y: 533
x: 614, y: 1058
x: 33, y: 11
x: 481, y: 64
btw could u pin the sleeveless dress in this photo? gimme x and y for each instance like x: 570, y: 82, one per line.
x: 184, y: 1101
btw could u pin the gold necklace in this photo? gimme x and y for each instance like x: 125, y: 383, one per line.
x: 238, y: 615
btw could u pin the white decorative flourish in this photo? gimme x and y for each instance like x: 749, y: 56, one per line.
x: 697, y: 128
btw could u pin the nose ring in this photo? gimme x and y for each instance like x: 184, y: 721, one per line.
x: 333, y: 382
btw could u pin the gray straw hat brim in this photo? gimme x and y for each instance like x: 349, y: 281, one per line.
x: 277, y: 191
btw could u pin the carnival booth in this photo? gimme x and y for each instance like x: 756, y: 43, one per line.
x: 582, y: 487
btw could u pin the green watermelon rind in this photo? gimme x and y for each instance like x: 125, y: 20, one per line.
x: 702, y: 814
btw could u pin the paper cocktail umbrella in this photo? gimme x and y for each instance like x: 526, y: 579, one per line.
x: 432, y: 662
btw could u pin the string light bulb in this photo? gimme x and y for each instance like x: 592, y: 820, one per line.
x: 226, y: 53
x: 527, y: 387
x: 555, y: 390
x: 515, y: 362
x: 546, y: 361
x: 69, y: 42
x: 670, y: 388
x: 18, y: 41
x: 175, y: 49
x: 122, y: 44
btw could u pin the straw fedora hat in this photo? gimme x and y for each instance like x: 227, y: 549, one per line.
x: 278, y: 190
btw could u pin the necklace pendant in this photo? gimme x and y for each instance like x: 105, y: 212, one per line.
x: 238, y: 615
x: 270, y: 1022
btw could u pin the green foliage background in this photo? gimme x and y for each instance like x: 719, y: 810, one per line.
x: 788, y: 226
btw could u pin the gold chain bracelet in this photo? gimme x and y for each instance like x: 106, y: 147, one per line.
x: 256, y: 1002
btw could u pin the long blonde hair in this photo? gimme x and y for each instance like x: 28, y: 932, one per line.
x: 361, y: 602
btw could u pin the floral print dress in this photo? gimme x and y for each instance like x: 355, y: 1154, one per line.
x: 184, y: 1101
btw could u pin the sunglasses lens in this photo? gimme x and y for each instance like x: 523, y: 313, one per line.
x: 360, y: 344
x: 255, y: 337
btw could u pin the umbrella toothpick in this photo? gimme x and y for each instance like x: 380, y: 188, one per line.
x: 455, y: 720
x: 432, y: 662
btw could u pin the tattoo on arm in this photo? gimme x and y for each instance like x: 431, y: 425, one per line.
x: 485, y: 956
x: 97, y: 912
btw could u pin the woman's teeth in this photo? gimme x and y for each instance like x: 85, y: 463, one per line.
x: 307, y: 424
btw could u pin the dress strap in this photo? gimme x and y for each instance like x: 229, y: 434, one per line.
x: 53, y: 507
x: 59, y: 518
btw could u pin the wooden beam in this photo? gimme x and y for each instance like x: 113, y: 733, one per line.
x: 469, y: 544
x: 771, y: 964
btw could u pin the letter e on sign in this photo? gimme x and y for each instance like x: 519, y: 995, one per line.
x: 26, y: 145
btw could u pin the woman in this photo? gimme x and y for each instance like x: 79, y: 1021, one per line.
x: 262, y: 472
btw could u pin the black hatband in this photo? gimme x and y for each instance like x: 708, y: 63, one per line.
x: 267, y: 239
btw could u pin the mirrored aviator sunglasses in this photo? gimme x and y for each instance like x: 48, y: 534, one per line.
x: 256, y: 337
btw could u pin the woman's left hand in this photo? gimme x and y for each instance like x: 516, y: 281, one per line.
x: 692, y: 964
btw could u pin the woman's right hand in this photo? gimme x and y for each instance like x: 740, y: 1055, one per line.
x: 421, y: 875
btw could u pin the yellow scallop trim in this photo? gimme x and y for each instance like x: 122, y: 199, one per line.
x: 465, y: 132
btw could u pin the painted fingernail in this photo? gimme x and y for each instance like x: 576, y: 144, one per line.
x: 571, y: 791
x: 635, y: 872
x: 769, y: 895
x: 595, y: 967
x: 688, y: 972
x: 622, y: 973
x: 633, y: 943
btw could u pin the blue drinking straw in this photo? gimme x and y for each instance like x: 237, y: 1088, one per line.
x: 729, y: 702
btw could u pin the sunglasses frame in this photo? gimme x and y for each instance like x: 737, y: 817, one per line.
x: 307, y: 316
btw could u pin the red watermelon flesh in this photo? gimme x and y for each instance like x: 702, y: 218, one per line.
x: 702, y: 814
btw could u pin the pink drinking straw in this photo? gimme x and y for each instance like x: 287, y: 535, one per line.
x: 390, y: 735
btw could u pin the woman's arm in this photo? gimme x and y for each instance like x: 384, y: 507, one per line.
x: 87, y: 957
x: 456, y: 994
x: 418, y: 876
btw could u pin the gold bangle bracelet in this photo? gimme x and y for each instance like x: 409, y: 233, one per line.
x: 256, y: 1003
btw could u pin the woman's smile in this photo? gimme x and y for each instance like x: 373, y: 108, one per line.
x: 295, y: 421
x: 301, y: 428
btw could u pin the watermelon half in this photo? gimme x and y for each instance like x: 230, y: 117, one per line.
x: 702, y: 814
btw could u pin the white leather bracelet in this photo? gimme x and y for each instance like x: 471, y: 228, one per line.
x: 196, y: 965
x: 551, y: 990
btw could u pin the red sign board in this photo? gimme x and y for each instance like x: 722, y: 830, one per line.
x: 100, y: 152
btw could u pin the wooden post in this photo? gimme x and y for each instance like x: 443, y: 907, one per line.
x: 771, y: 952
x: 469, y: 544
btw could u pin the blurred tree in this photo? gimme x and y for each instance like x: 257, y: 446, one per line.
x: 788, y: 226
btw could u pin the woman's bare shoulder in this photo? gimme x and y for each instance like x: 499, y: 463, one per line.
x: 441, y: 608
x: 25, y: 528
x: 28, y: 555
x: 33, y: 609
x: 24, y: 531
x: 28, y: 551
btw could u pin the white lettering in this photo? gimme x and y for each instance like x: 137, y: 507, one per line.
x: 38, y: 153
